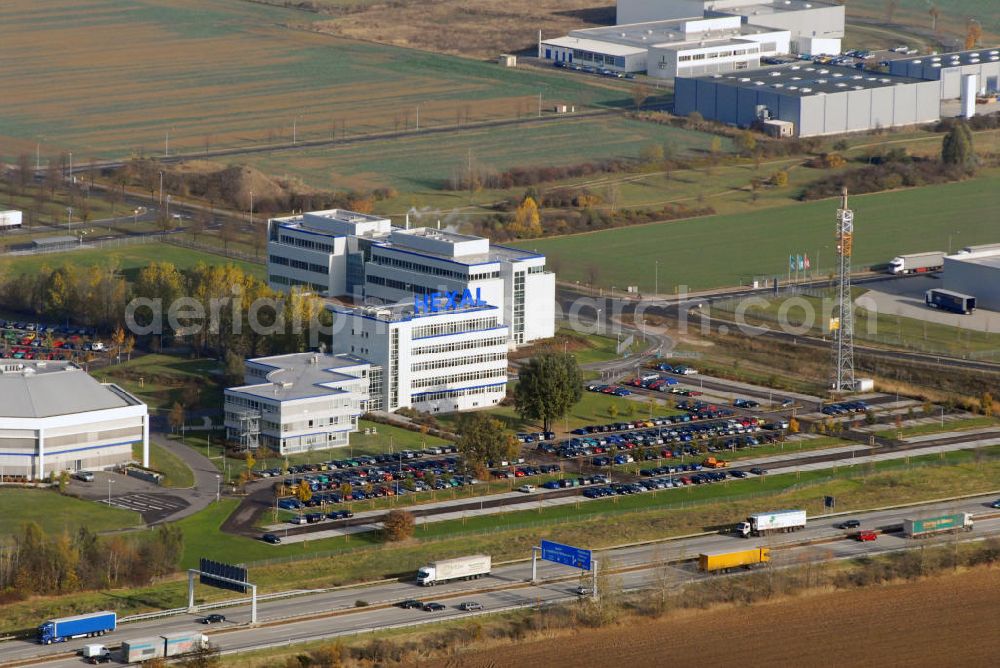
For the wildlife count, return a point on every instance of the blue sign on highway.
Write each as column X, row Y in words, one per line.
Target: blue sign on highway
column 566, row 555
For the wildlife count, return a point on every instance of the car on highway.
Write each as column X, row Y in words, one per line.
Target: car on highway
column 849, row 524
column 411, row 603
column 787, row 403
column 583, row 591
column 434, row 607
column 470, row 606
column 214, row 618
column 865, row 536
column 995, row 504
column 758, row 471
column 270, row 538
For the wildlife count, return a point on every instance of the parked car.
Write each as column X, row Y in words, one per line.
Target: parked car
column 270, row 538
column 85, row 476
column 526, row 489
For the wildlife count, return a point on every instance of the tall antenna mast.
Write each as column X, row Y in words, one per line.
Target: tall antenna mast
column 842, row 322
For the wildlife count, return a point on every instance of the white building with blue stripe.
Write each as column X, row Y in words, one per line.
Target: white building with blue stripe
column 340, row 253
column 55, row 417
column 439, row 353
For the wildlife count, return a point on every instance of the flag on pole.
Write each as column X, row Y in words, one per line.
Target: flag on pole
column 791, row 262
column 806, row 259
column 801, row 263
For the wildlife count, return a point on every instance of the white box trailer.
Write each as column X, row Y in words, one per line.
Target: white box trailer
column 183, row 642
column 460, row 568
column 142, row 649
column 10, row 219
column 783, row 521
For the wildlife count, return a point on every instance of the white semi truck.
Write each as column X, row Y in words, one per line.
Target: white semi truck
column 917, row 263
column 460, row 568
column 776, row 521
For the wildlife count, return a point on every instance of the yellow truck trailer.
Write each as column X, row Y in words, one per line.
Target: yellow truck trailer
column 724, row 561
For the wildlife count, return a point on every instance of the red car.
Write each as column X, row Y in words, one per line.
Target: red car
column 865, row 536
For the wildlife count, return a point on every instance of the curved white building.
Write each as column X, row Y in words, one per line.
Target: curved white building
column 55, row 417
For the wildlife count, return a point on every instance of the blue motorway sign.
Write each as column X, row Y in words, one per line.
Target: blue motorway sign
column 566, row 555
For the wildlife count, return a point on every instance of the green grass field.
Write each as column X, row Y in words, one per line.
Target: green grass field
column 916, row 12
column 264, row 77
column 176, row 472
column 732, row 250
column 161, row 380
column 56, row 513
column 129, row 258
column 391, row 162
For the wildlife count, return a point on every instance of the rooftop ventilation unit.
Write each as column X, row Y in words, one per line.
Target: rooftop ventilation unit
column 807, row 90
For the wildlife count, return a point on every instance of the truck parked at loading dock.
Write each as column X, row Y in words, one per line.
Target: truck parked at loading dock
column 917, row 263
column 948, row 300
column 460, row 568
column 929, row 526
column 725, row 561
column 777, row 521
column 79, row 626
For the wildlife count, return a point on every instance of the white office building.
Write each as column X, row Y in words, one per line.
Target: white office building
column 55, row 417
column 340, row 253
column 298, row 402
column 438, row 353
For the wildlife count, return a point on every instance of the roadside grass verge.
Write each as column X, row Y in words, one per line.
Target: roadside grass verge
column 937, row 428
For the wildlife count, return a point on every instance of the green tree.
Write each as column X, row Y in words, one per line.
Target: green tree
column 484, row 439
column 550, row 384
column 613, row 411
column 956, row 148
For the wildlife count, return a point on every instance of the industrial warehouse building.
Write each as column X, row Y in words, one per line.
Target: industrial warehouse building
column 340, row 253
column 977, row 274
column 814, row 27
column 667, row 49
column 949, row 68
column 816, row 99
column 298, row 402
column 440, row 353
column 55, row 417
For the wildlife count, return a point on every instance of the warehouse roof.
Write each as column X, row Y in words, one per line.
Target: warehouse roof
column 803, row 79
column 751, row 8
column 596, row 46
column 954, row 59
column 39, row 389
column 989, row 258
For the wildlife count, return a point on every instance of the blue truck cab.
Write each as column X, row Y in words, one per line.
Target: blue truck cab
column 78, row 626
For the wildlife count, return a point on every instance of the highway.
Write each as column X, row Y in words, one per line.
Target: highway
column 334, row 612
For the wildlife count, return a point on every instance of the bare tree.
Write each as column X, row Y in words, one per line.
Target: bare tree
column 640, row 93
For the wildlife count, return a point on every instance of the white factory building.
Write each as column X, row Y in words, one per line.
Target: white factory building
column 55, row 417
column 340, row 253
column 439, row 353
column 814, row 27
column 951, row 68
column 676, row 38
column 299, row 402
column 671, row 48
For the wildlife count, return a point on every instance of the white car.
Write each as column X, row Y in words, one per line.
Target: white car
column 527, row 489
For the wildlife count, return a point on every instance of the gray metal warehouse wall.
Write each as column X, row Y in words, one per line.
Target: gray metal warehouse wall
column 832, row 113
column 950, row 77
column 982, row 282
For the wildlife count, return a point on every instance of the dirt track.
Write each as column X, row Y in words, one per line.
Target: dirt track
column 946, row 621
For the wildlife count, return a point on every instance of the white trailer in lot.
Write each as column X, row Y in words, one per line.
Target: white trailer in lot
column 10, row 219
column 783, row 521
column 460, row 568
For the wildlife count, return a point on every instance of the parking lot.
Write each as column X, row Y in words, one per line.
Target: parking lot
column 35, row 341
column 906, row 298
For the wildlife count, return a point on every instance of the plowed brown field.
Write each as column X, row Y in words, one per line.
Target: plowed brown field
column 946, row 621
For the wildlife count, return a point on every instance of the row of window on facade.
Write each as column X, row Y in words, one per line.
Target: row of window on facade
column 309, row 244
column 714, row 54
column 598, row 58
column 460, row 361
column 299, row 264
column 453, row 394
column 459, row 327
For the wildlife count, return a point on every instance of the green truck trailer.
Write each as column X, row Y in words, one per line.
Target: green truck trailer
column 929, row 526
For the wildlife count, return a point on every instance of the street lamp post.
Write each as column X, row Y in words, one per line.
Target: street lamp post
column 161, row 187
column 656, row 277
column 110, row 480
column 295, row 125
column 218, row 487
column 69, row 219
